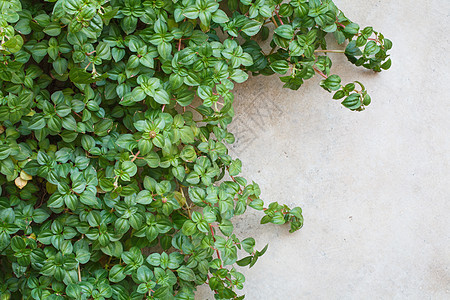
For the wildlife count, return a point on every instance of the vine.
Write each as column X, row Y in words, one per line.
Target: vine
column 115, row 183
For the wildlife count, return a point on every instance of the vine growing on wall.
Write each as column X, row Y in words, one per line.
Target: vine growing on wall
column 115, row 183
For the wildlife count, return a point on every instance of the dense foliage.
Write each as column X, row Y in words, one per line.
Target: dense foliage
column 116, row 182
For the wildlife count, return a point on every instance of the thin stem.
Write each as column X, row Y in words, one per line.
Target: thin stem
column 88, row 65
column 320, row 73
column 274, row 22
column 273, row 49
column 217, row 251
column 195, row 108
column 340, row 24
column 328, row 51
column 135, row 156
column 279, row 18
column 79, row 273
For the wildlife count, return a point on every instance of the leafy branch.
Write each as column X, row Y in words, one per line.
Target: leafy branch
column 115, row 183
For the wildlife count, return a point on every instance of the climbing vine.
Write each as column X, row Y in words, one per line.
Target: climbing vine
column 115, row 176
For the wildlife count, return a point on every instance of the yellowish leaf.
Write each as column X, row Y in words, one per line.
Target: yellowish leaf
column 20, row 183
column 25, row 176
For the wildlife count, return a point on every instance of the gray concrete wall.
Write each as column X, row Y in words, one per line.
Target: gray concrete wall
column 374, row 186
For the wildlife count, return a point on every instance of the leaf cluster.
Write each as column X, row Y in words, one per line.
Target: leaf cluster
column 116, row 181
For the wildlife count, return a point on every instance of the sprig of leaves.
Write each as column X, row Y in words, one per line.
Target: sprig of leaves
column 114, row 184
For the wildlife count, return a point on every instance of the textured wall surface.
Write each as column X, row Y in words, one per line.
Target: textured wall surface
column 374, row 186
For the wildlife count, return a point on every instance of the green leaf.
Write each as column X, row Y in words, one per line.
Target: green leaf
column 73, row 290
column 219, row 17
column 161, row 96
column 371, row 48
column 77, row 75
column 18, row 244
column 5, row 151
column 251, row 27
column 387, row 64
column 103, row 51
column 248, row 244
column 352, row 28
column 285, row 31
column 40, row 215
column 189, row 228
column 116, row 273
column 186, row 273
column 165, row 50
column 144, row 197
column 244, row 262
column 339, row 94
column 235, row 167
column 154, row 259
column 126, row 141
column 352, row 49
column 37, row 122
column 129, row 168
column 60, row 65
column 14, row 44
column 87, row 142
column 52, row 29
column 332, row 83
column 238, row 75
column 144, row 274
column 367, row 100
column 226, row 227
column 352, row 102
column 179, row 173
column 280, row 66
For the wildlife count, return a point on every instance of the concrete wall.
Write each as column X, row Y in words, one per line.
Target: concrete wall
column 374, row 186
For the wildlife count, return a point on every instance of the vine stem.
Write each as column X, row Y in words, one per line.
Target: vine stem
column 135, row 156
column 320, row 73
column 340, row 24
column 279, row 17
column 77, row 115
column 272, row 50
column 79, row 273
column 274, row 22
column 196, row 109
column 214, row 238
column 328, row 51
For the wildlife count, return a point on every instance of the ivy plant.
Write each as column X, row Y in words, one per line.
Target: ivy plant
column 115, row 176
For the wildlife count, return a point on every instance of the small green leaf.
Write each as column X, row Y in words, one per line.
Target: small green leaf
column 186, row 273
column 248, row 245
column 352, row 28
column 116, row 273
column 352, row 102
column 285, row 31
column 244, row 262
column 52, row 29
column 280, row 66
column 14, row 44
column 235, row 167
column 129, row 168
column 219, row 17
column 251, row 27
column 144, row 197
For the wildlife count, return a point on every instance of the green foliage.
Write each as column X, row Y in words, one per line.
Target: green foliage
column 114, row 184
